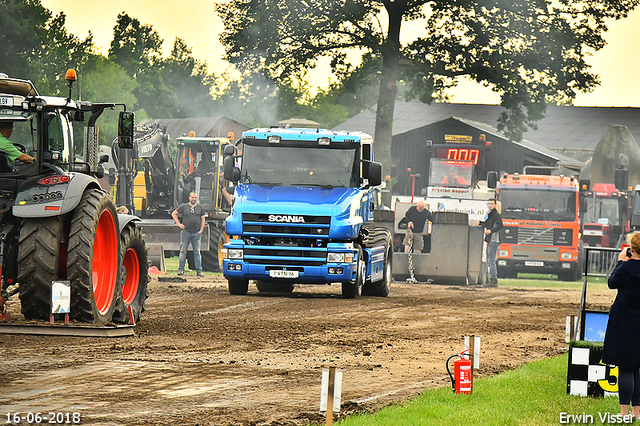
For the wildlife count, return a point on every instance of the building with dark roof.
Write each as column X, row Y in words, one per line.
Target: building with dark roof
column 413, row 150
column 563, row 129
column 566, row 137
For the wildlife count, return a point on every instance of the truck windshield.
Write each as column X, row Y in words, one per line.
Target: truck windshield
column 538, row 204
column 450, row 173
column 300, row 166
column 604, row 211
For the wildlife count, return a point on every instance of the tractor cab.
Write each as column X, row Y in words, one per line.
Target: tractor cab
column 199, row 170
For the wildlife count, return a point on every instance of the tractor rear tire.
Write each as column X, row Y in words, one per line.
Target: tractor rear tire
column 41, row 260
column 134, row 282
column 93, row 258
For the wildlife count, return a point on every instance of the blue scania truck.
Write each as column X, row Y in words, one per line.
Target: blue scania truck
column 303, row 213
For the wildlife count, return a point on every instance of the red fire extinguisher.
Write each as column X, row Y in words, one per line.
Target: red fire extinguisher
column 461, row 378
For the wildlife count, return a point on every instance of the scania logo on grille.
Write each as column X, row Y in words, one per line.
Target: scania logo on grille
column 286, row 218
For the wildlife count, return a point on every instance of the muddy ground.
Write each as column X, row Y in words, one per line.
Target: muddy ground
column 203, row 357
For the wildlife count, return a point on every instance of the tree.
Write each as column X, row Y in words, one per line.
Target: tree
column 102, row 80
column 36, row 46
column 135, row 47
column 189, row 80
column 530, row 51
column 252, row 99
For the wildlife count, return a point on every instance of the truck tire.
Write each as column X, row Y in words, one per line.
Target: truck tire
column 134, row 282
column 270, row 287
column 41, row 259
column 93, row 260
column 212, row 259
column 381, row 288
column 352, row 290
column 238, row 287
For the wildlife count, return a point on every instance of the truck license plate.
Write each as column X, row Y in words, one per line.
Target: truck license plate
column 5, row 101
column 278, row 273
column 530, row 263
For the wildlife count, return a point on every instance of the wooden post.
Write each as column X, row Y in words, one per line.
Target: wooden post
column 332, row 381
column 571, row 328
column 472, row 339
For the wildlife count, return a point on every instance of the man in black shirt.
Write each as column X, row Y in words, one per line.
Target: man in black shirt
column 416, row 217
column 492, row 226
column 192, row 226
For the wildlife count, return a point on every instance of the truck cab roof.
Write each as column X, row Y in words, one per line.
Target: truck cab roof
column 306, row 135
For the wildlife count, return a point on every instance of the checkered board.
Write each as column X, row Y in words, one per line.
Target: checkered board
column 588, row 376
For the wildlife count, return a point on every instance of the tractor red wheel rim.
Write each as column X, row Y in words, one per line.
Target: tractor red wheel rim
column 130, row 286
column 104, row 267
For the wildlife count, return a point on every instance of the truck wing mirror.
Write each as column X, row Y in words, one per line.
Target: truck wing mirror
column 231, row 172
column 375, row 173
column 492, row 179
column 125, row 130
column 229, row 150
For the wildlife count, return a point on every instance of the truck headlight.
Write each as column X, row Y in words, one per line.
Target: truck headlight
column 335, row 257
column 234, row 254
column 566, row 256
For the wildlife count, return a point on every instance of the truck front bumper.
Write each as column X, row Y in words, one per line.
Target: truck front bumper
column 506, row 266
column 238, row 269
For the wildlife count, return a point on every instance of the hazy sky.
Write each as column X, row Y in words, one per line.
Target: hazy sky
column 197, row 24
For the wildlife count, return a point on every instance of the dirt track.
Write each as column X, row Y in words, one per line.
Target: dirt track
column 203, row 357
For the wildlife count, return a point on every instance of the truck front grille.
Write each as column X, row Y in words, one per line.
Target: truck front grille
column 535, row 236
column 285, row 239
column 275, row 225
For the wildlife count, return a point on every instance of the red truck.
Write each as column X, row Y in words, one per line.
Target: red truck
column 604, row 215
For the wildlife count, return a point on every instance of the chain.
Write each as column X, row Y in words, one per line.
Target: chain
column 412, row 276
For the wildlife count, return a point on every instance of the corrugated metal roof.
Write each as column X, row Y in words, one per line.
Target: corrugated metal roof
column 563, row 160
column 563, row 127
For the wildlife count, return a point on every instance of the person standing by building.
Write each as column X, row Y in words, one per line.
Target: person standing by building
column 492, row 225
column 192, row 226
column 621, row 343
column 416, row 218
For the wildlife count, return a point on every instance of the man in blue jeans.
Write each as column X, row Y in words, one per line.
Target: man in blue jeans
column 192, row 226
column 492, row 226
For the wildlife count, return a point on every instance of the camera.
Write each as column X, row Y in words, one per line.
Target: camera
column 629, row 252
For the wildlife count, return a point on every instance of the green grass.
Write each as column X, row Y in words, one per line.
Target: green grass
column 544, row 281
column 171, row 265
column 534, row 394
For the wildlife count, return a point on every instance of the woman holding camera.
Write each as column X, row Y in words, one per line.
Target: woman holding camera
column 621, row 342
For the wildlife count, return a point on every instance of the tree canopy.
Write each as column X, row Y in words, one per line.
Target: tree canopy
column 531, row 52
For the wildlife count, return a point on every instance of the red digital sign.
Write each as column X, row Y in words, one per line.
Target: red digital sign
column 461, row 154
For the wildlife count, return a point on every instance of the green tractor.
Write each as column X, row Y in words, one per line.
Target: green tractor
column 56, row 221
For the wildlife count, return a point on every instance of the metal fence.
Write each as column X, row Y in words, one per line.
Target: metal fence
column 600, row 261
